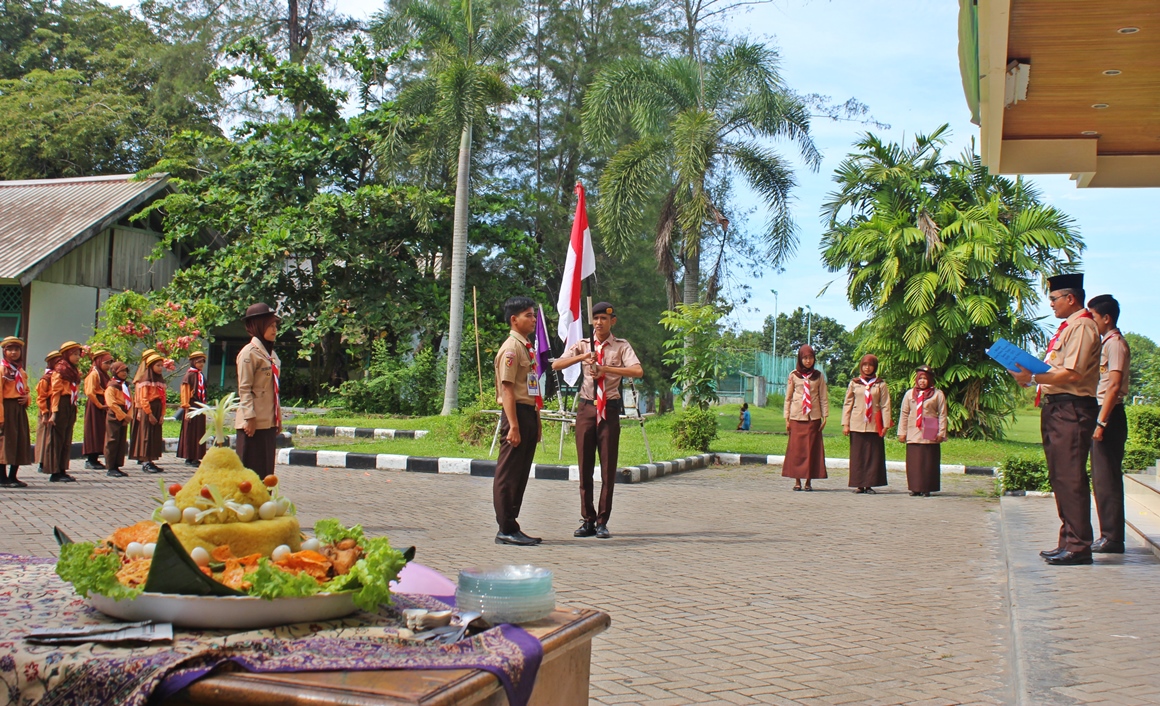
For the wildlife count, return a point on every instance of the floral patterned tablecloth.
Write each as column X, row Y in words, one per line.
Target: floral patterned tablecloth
column 32, row 596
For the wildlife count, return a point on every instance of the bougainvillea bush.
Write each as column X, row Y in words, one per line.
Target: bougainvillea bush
column 132, row 322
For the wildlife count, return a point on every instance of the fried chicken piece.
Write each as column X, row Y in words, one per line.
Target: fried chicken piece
column 343, row 555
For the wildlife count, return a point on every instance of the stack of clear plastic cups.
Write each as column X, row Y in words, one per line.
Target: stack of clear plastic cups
column 507, row 594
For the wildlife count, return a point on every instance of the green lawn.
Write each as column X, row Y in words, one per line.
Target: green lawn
column 172, row 428
column 766, row 437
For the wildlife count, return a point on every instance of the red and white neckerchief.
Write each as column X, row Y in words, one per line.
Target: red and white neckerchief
column 920, row 397
column 74, row 392
column 16, row 374
column 200, row 388
column 807, row 400
column 1051, row 347
column 601, row 401
column 532, row 357
column 277, row 393
column 127, row 394
column 869, row 400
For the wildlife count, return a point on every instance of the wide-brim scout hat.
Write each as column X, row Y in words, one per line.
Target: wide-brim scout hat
column 147, row 352
column 52, row 355
column 1069, row 281
column 259, row 309
column 97, row 353
column 69, row 346
column 11, row 341
column 155, row 358
column 197, row 355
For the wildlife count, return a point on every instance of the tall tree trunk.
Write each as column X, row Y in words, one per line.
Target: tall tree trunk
column 458, row 274
column 692, row 288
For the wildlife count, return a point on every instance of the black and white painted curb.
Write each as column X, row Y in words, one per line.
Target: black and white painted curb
column 542, row 471
column 354, row 432
column 171, row 445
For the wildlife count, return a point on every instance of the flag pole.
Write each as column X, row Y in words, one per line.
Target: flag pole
column 475, row 315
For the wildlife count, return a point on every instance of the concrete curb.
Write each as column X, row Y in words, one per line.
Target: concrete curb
column 171, row 445
column 730, row 459
column 354, row 432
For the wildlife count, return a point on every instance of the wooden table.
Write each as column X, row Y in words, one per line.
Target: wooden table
column 562, row 680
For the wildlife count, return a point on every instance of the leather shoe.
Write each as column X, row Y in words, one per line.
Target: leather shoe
column 1070, row 559
column 94, row 466
column 61, row 478
column 586, row 529
column 116, row 473
column 1105, row 546
column 602, row 532
column 150, row 467
column 516, row 538
column 1048, row 553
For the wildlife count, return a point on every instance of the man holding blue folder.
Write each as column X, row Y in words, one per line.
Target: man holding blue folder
column 1067, row 397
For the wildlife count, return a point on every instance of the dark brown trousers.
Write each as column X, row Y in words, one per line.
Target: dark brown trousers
column 115, row 446
column 58, row 444
column 259, row 452
column 1108, row 475
column 513, row 468
column 1066, row 426
column 590, row 438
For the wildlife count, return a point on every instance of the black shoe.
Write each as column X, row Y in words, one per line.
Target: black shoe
column 1105, row 546
column 871, row 491
column 808, row 489
column 859, row 490
column 586, row 529
column 1048, row 553
column 602, row 532
column 94, row 466
column 516, row 538
column 535, row 540
column 5, row 483
column 915, row 493
column 797, row 488
column 191, row 462
column 13, row 483
column 116, row 473
column 150, row 467
column 926, row 495
column 61, row 478
column 1067, row 558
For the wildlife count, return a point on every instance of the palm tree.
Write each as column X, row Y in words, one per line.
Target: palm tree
column 945, row 257
column 690, row 124
column 466, row 46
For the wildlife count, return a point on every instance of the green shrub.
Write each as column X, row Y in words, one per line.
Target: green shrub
column 1020, row 473
column 695, row 429
column 775, row 401
column 475, row 426
column 1144, row 425
column 393, row 385
column 1139, row 457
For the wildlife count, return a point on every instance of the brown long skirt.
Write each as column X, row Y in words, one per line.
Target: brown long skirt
column 41, row 438
column 94, row 439
column 923, row 474
column 260, row 451
column 17, row 447
column 148, row 442
column 805, row 455
column 867, row 460
column 115, row 446
column 58, row 444
column 189, row 444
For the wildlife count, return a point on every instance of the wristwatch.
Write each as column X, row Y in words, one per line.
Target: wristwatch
column 1101, row 424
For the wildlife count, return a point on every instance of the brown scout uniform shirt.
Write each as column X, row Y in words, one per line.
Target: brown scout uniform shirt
column 795, row 392
column 513, row 363
column 934, row 407
column 9, row 390
column 618, row 353
column 115, row 400
column 93, row 388
column 1114, row 355
column 1078, row 350
column 854, row 407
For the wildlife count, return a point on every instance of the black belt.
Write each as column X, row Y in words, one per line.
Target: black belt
column 609, row 403
column 1063, row 397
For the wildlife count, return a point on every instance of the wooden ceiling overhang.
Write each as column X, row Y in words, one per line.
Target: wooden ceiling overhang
column 1092, row 106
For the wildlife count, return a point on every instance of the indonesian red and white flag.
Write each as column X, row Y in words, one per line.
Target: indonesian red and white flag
column 581, row 263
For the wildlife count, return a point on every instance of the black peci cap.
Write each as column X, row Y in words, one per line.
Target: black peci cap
column 1071, row 281
column 603, row 308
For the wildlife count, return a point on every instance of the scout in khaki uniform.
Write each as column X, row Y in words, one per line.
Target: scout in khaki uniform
column 66, row 383
column 1067, row 419
column 807, row 409
column 16, row 442
column 865, row 419
column 922, row 426
column 189, row 444
column 43, row 402
column 517, row 389
column 259, row 418
column 1111, row 431
column 149, row 405
column 95, row 383
column 118, row 409
column 598, row 419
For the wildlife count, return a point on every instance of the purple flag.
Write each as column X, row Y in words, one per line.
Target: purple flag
column 543, row 349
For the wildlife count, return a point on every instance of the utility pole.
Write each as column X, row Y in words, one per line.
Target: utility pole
column 773, row 348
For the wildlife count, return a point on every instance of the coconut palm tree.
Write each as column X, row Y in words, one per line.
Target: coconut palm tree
column 465, row 48
column 689, row 124
column 945, row 258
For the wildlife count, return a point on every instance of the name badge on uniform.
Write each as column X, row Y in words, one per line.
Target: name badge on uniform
column 533, row 385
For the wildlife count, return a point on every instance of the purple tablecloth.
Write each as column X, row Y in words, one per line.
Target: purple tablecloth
column 32, row 596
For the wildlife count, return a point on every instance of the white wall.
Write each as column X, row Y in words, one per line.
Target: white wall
column 58, row 313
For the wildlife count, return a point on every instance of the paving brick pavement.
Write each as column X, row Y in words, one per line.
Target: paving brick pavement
column 724, row 587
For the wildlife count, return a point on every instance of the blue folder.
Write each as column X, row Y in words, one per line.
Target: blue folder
column 1008, row 355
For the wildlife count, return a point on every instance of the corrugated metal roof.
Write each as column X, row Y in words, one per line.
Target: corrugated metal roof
column 41, row 220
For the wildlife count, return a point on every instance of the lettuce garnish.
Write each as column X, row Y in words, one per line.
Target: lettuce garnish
column 89, row 573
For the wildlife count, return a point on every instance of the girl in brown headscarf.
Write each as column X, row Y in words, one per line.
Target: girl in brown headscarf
column 118, row 409
column 807, row 407
column 66, row 381
column 149, row 403
column 15, row 437
column 865, row 419
column 922, row 426
column 95, row 383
